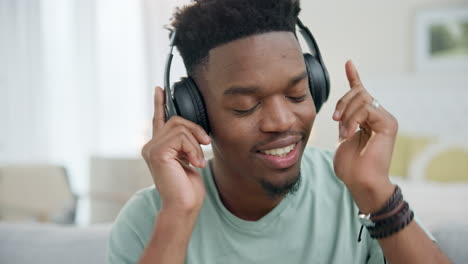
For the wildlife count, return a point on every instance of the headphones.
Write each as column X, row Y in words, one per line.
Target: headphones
column 188, row 103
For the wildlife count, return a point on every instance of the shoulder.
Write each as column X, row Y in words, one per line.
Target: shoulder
column 319, row 162
column 318, row 156
column 318, row 169
column 133, row 226
column 144, row 203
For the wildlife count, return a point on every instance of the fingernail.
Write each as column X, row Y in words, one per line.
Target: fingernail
column 336, row 114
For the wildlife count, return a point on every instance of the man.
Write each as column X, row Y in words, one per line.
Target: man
column 264, row 197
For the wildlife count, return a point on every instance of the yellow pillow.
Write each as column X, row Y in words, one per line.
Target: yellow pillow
column 399, row 163
column 405, row 150
column 448, row 166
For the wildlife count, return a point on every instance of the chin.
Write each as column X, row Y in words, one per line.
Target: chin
column 278, row 188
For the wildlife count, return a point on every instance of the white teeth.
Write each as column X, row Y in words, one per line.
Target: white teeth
column 280, row 152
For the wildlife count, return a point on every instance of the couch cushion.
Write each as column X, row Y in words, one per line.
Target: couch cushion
column 452, row 238
column 406, row 149
column 46, row 243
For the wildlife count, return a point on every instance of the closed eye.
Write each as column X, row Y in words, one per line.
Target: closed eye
column 245, row 112
column 297, row 99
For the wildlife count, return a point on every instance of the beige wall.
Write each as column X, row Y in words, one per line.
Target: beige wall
column 376, row 35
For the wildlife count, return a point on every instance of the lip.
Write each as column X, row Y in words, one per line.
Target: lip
column 281, row 162
column 280, row 143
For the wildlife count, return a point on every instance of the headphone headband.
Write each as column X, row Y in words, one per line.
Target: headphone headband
column 310, row 40
column 312, row 44
column 169, row 106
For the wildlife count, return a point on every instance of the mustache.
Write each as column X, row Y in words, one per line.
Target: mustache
column 278, row 136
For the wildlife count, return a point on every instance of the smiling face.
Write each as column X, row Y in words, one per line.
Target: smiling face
column 260, row 109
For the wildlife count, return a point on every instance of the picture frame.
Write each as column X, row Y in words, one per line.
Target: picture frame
column 442, row 39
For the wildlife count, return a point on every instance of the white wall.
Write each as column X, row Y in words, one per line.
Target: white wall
column 425, row 104
column 377, row 35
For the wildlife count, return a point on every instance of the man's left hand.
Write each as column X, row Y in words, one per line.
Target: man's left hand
column 362, row 158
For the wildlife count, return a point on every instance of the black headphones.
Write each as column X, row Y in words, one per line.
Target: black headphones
column 188, row 103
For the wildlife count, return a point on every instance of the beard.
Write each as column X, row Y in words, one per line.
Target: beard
column 276, row 191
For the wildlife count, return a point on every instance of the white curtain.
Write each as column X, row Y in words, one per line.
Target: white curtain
column 22, row 131
column 77, row 80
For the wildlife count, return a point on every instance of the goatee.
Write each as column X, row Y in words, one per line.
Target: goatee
column 275, row 191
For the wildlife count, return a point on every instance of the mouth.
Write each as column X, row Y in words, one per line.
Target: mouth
column 280, row 158
column 279, row 152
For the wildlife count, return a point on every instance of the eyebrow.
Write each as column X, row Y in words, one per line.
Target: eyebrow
column 249, row 90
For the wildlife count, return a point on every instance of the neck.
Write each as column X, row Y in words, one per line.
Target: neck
column 243, row 197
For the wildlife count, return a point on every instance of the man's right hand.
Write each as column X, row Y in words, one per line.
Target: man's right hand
column 170, row 155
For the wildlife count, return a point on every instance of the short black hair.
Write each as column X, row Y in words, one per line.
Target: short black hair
column 206, row 24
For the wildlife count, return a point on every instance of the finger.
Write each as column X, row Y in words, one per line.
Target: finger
column 200, row 157
column 358, row 117
column 341, row 131
column 352, row 75
column 382, row 122
column 190, row 148
column 198, row 132
column 173, row 141
column 343, row 102
column 145, row 155
column 361, row 100
column 159, row 114
column 176, row 146
column 376, row 120
column 179, row 144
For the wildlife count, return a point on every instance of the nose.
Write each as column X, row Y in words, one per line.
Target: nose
column 277, row 116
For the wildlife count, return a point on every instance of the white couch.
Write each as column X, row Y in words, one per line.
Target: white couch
column 52, row 244
column 29, row 243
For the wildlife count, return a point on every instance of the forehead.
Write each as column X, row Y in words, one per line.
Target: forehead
column 256, row 59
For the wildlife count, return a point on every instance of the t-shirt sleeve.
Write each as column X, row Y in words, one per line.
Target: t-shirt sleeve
column 376, row 254
column 131, row 231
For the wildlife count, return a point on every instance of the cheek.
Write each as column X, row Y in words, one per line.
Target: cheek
column 306, row 113
column 232, row 141
column 234, row 131
column 228, row 130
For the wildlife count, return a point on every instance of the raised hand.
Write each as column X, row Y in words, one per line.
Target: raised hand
column 362, row 158
column 171, row 154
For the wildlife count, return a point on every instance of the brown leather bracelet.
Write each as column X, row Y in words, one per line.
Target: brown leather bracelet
column 400, row 204
column 402, row 223
column 392, row 224
column 391, row 203
column 382, row 221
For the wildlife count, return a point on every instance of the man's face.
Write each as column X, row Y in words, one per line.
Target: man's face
column 260, row 108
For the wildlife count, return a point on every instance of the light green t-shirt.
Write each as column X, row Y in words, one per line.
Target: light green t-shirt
column 317, row 224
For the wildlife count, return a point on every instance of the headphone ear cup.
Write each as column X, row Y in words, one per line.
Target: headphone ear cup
column 318, row 81
column 189, row 102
